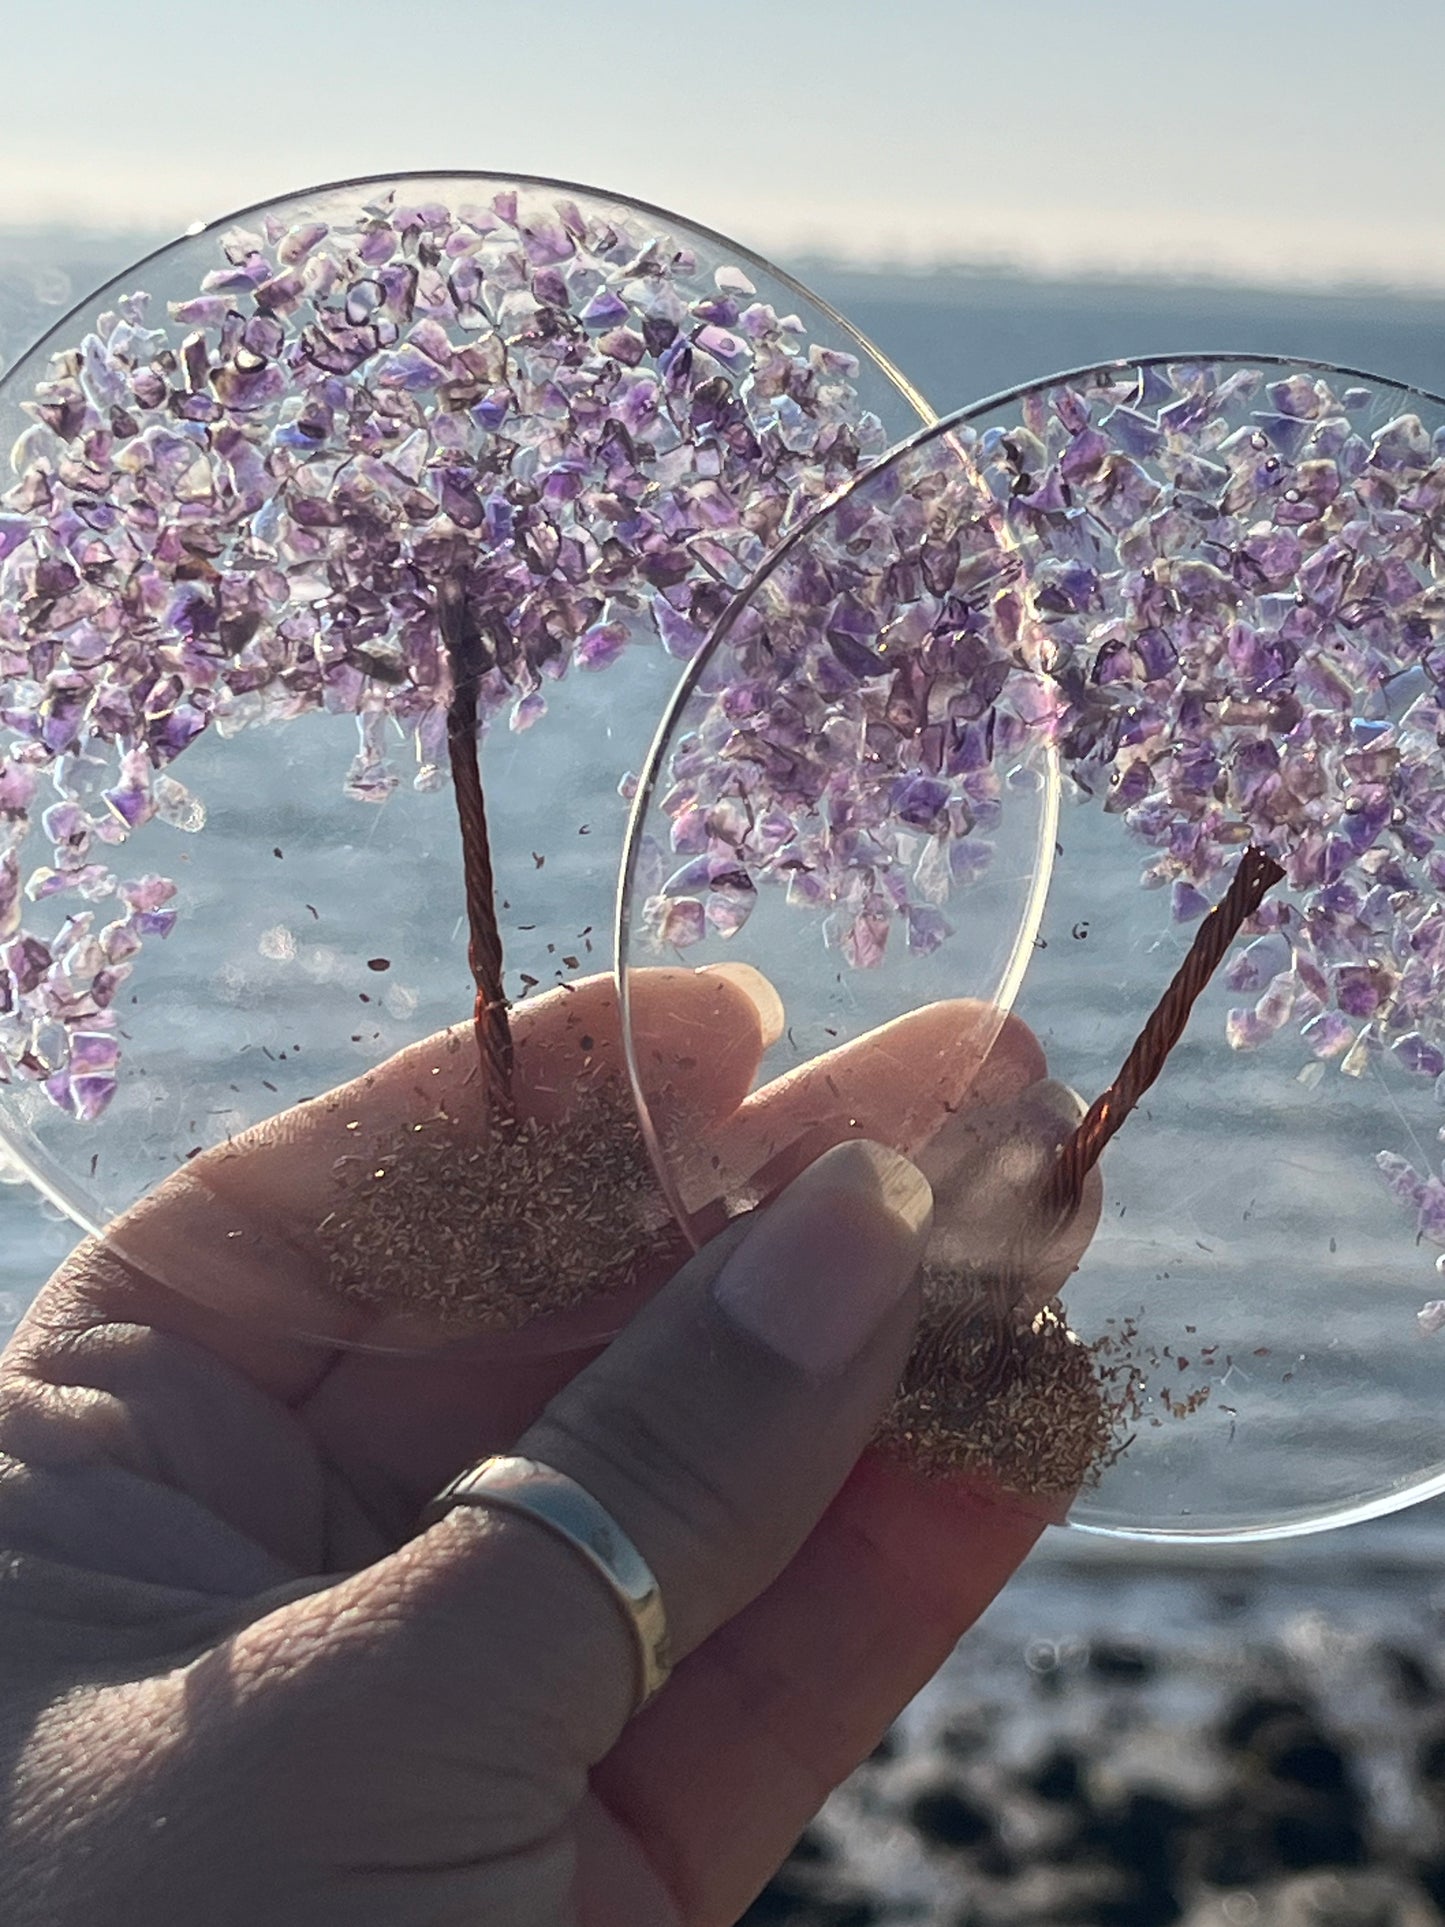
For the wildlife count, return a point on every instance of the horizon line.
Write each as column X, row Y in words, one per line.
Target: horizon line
column 1241, row 277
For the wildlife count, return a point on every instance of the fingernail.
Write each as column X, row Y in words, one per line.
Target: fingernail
column 1056, row 1099
column 1020, row 1132
column 824, row 1264
column 759, row 993
column 990, row 1170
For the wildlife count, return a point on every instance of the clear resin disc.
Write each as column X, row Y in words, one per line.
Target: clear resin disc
column 1206, row 591
column 274, row 495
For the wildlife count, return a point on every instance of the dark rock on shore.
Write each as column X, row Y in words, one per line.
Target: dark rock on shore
column 1120, row 1660
column 1059, row 1776
column 810, row 1890
column 1414, row 1682
column 1229, row 1780
column 944, row 1817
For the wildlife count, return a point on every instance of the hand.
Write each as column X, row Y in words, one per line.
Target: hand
column 235, row 1686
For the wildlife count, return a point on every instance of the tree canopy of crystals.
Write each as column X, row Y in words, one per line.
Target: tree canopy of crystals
column 243, row 513
column 1213, row 588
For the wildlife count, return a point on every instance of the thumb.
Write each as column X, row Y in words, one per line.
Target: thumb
column 715, row 1430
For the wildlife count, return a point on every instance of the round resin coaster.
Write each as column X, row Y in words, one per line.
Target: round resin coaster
column 301, row 508
column 1207, row 590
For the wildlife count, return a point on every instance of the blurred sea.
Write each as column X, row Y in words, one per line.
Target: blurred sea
column 962, row 335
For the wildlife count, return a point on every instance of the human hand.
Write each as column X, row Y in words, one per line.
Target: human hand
column 234, row 1685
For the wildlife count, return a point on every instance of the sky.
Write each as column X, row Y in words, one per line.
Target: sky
column 1285, row 141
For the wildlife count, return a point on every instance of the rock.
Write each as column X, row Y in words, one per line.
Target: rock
column 1298, row 1753
column 1319, row 1833
column 805, row 1896
column 1431, row 1875
column 942, row 1816
column 1299, row 1788
column 812, row 1849
column 1253, row 1711
column 1058, row 1777
column 993, row 1861
column 809, row 1890
column 1309, row 1760
column 1234, row 1851
column 1411, row 1680
column 1121, row 1660
column 1141, row 1839
column 1142, row 1834
column 965, row 1735
column 1260, row 1832
column 1430, row 1761
column 1229, row 1601
column 1145, row 1907
column 1304, row 1783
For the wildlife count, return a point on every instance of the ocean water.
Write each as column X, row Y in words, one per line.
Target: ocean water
column 1252, row 1197
column 965, row 335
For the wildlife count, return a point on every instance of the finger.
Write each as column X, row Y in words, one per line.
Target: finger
column 996, row 1221
column 409, row 1424
column 715, row 1431
column 722, row 1773
column 372, row 1412
column 227, row 1252
column 369, row 1411
column 899, row 1084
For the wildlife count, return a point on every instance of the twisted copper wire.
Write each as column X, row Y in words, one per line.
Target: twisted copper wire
column 484, row 942
column 980, row 1326
column 1257, row 873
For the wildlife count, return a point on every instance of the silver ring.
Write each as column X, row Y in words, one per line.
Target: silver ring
column 570, row 1512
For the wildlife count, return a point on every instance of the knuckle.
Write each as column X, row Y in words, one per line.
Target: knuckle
column 649, row 1465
